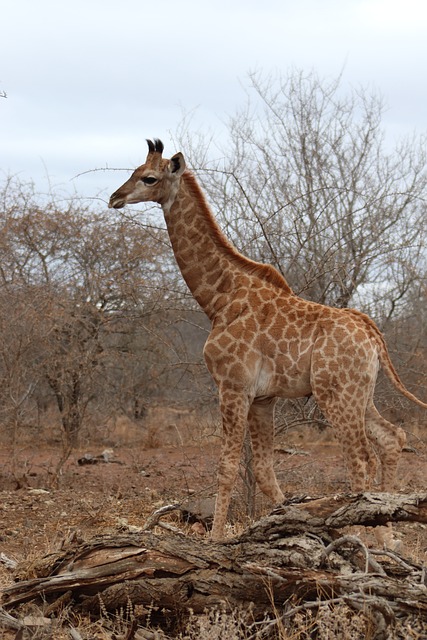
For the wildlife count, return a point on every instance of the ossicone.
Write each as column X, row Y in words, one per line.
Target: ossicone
column 155, row 145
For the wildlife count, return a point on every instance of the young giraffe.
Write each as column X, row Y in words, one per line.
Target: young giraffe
column 266, row 342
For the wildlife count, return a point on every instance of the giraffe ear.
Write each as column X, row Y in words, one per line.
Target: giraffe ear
column 177, row 164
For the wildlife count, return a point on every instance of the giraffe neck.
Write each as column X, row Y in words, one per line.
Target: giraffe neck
column 211, row 266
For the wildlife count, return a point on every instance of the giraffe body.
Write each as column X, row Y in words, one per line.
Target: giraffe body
column 267, row 343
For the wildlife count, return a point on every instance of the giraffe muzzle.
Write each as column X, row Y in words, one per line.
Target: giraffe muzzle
column 116, row 202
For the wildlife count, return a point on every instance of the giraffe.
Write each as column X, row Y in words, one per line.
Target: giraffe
column 266, row 342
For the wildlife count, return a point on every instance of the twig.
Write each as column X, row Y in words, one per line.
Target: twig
column 354, row 540
column 107, row 168
column 265, row 631
column 8, row 562
column 153, row 520
column 9, row 621
column 393, row 556
column 131, row 632
column 267, row 571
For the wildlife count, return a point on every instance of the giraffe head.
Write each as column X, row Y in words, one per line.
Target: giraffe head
column 157, row 180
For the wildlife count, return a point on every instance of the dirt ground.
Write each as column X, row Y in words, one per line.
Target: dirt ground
column 38, row 511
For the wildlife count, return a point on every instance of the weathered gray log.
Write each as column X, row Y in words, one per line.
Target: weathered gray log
column 295, row 554
column 324, row 516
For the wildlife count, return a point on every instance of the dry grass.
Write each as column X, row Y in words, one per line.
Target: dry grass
column 170, row 456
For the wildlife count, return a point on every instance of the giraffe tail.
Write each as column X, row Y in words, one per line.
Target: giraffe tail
column 385, row 360
column 390, row 371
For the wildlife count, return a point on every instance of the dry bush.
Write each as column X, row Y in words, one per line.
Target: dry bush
column 330, row 622
column 167, row 425
column 218, row 625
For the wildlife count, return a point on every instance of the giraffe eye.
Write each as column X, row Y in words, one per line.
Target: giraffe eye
column 149, row 180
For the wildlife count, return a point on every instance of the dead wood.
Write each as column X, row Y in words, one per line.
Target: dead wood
column 323, row 516
column 295, row 555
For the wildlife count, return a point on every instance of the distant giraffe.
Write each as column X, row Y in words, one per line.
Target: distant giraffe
column 266, row 342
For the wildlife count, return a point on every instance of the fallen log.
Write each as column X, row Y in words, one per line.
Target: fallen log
column 295, row 557
column 324, row 516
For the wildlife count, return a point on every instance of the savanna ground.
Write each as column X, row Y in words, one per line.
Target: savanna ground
column 171, row 457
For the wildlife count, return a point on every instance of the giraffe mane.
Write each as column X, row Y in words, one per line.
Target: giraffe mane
column 263, row 271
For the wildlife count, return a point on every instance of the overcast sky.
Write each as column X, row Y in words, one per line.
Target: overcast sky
column 88, row 80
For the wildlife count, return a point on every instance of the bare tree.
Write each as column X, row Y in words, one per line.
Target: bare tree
column 307, row 184
column 76, row 287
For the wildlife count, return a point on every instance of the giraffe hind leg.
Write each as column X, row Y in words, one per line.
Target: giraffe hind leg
column 388, row 441
column 344, row 369
column 359, row 456
column 347, row 418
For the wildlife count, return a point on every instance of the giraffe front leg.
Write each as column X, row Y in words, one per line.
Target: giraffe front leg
column 261, row 426
column 234, row 409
